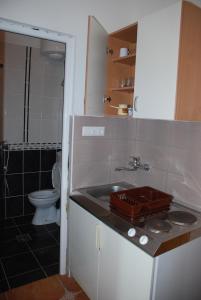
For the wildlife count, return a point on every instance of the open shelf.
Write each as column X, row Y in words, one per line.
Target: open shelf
column 121, row 70
column 124, row 89
column 128, row 33
column 127, row 60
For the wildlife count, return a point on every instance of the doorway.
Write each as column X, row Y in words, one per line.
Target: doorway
column 28, row 133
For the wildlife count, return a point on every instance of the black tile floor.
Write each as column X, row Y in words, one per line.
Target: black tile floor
column 27, row 252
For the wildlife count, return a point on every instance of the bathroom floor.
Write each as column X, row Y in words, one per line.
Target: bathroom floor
column 27, row 252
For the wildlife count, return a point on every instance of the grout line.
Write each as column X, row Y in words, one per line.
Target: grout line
column 32, row 251
column 50, row 246
column 36, row 259
column 15, row 222
column 54, row 264
column 37, row 234
column 41, row 267
column 9, row 240
column 2, row 266
column 24, row 273
column 7, row 227
column 28, row 251
column 18, row 229
column 9, row 256
column 58, row 243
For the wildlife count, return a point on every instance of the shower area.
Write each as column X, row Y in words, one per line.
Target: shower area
column 31, row 104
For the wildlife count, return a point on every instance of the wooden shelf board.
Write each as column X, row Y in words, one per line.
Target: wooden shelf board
column 128, row 60
column 124, row 89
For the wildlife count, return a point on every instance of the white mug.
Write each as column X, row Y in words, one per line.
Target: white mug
column 123, row 52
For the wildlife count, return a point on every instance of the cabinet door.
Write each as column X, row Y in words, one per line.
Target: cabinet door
column 125, row 271
column 96, row 68
column 156, row 63
column 83, row 251
column 189, row 70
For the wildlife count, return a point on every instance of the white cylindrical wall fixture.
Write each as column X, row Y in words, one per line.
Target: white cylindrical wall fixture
column 53, row 50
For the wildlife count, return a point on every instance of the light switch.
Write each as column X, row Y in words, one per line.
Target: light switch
column 93, row 131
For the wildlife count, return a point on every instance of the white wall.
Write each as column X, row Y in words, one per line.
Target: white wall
column 72, row 17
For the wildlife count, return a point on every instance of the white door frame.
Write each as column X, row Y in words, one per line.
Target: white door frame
column 16, row 27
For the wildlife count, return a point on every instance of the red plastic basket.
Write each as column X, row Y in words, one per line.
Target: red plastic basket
column 138, row 202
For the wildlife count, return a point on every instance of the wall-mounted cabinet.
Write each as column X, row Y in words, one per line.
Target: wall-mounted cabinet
column 166, row 68
column 110, row 74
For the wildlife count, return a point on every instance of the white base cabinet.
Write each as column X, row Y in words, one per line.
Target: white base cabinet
column 83, row 252
column 106, row 265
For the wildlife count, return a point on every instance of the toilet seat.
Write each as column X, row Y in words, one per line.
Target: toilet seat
column 44, row 194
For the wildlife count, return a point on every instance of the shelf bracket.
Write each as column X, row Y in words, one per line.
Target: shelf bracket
column 109, row 51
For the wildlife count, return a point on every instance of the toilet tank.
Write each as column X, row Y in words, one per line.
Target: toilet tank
column 59, row 156
column 56, row 172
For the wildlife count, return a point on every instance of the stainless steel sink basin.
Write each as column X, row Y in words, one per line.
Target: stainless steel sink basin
column 99, row 192
column 102, row 193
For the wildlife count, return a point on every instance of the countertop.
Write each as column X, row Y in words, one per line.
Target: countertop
column 104, row 213
column 157, row 244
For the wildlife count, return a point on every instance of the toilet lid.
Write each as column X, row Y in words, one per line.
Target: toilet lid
column 56, row 176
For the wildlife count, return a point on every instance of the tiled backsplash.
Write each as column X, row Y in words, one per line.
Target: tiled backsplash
column 172, row 148
column 24, row 172
column 94, row 158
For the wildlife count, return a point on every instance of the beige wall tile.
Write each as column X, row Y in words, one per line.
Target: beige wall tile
column 185, row 135
column 90, row 174
column 153, row 131
column 116, row 176
column 119, row 150
column 154, row 178
column 177, row 161
column 92, row 150
column 185, row 189
column 153, row 154
column 119, row 128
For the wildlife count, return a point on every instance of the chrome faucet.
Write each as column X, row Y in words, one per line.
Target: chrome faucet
column 135, row 164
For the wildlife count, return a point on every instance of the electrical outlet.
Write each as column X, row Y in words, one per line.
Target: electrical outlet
column 93, row 131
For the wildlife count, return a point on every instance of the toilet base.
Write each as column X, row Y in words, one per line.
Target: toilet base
column 44, row 216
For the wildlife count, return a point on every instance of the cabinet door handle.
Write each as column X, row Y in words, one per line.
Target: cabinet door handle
column 135, row 103
column 98, row 237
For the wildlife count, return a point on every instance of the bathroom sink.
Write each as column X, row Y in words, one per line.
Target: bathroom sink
column 102, row 192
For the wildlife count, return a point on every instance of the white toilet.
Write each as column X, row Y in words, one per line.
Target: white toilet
column 45, row 200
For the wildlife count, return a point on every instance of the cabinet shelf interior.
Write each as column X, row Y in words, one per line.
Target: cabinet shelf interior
column 128, row 60
column 120, row 68
column 128, row 34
